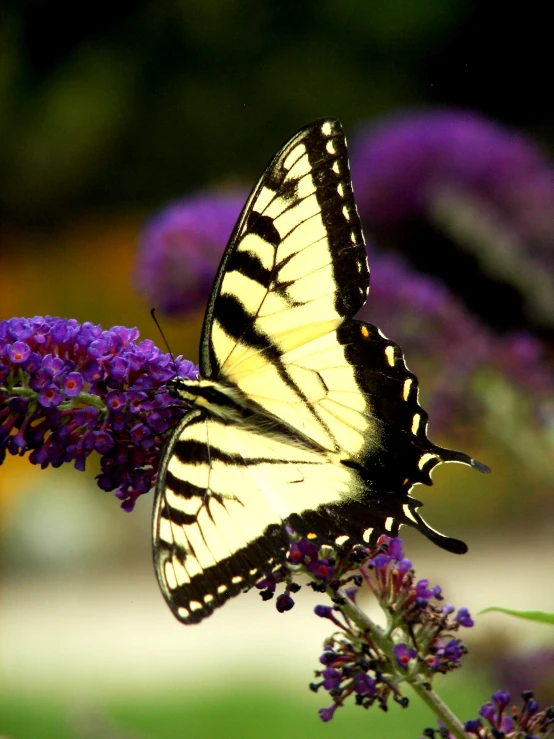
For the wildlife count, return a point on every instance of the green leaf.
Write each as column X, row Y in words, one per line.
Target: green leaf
column 540, row 617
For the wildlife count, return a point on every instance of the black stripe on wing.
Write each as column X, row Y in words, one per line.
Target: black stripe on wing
column 186, row 451
column 250, row 265
column 183, row 488
column 259, row 225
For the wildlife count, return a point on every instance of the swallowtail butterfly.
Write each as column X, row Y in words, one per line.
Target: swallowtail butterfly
column 302, row 416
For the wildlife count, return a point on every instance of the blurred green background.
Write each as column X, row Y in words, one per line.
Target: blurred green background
column 107, row 111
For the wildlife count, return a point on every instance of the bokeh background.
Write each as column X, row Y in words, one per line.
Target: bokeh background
column 110, row 112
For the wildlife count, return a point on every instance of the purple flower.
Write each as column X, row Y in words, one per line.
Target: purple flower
column 452, row 651
column 403, row 566
column 323, row 611
column 381, row 561
column 321, row 569
column 301, row 550
column 50, row 396
column 488, row 188
column 395, row 549
column 422, row 591
column 473, row 726
column 404, row 654
column 329, row 655
column 463, row 618
column 331, row 678
column 284, row 603
column 326, row 714
column 488, row 712
column 57, row 406
column 73, row 384
column 502, row 699
column 18, row 352
column 181, row 247
column 399, row 165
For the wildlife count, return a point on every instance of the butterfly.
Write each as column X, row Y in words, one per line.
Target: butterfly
column 302, row 417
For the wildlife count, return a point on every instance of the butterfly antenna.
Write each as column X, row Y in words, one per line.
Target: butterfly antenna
column 153, row 314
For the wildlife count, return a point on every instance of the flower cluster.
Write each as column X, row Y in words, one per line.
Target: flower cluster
column 68, row 389
column 360, row 659
column 503, row 720
column 418, row 165
column 401, row 162
column 181, row 247
column 304, row 556
column 419, row 638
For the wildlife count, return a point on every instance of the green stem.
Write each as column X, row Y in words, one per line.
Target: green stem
column 417, row 682
column 439, row 708
column 363, row 621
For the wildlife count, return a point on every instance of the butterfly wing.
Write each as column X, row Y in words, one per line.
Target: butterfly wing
column 338, row 438
column 295, row 268
column 218, row 526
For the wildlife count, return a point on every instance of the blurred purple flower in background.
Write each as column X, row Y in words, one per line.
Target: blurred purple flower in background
column 401, row 163
column 517, row 670
column 488, row 189
column 181, row 247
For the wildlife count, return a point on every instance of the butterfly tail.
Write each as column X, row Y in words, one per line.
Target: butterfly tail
column 449, row 455
column 412, row 518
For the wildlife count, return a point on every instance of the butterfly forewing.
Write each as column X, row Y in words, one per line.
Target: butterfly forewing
column 296, row 267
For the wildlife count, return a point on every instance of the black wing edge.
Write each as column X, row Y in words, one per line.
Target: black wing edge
column 251, row 563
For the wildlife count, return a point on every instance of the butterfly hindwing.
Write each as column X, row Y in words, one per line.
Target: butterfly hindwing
column 219, row 523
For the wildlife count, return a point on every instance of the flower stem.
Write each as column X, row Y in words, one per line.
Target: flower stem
column 364, row 622
column 439, row 708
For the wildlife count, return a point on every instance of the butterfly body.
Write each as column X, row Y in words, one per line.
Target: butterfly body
column 303, row 417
